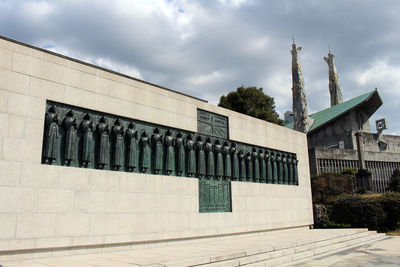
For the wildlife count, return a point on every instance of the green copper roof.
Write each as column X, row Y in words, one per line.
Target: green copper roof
column 331, row 113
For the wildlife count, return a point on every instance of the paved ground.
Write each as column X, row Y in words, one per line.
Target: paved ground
column 385, row 252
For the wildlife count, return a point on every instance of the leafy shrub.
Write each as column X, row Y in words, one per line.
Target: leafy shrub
column 390, row 203
column 394, row 183
column 327, row 186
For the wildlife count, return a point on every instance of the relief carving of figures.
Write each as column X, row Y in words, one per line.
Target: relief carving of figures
column 103, row 147
column 290, row 169
column 285, row 169
column 249, row 166
column 219, row 163
column 208, row 148
column 69, row 125
column 87, row 128
column 131, row 143
column 269, row 166
column 227, row 161
column 235, row 162
column 261, row 158
column 274, row 168
column 295, row 170
column 145, row 151
column 191, row 156
column 118, row 144
column 280, row 168
column 201, row 159
column 242, row 165
column 180, row 154
column 169, row 153
column 156, row 140
column 51, row 146
column 256, row 165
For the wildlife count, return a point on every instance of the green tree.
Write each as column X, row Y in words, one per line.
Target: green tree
column 253, row 102
column 394, row 183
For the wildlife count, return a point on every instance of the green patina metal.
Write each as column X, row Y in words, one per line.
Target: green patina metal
column 83, row 138
column 212, row 124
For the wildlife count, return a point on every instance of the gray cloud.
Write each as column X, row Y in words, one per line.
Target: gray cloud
column 208, row 48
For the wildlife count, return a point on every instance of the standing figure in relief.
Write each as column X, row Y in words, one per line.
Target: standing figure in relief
column 145, row 151
column 280, row 168
column 290, row 169
column 156, row 140
column 235, row 162
column 69, row 124
column 180, row 154
column 242, row 166
column 208, row 148
column 285, row 169
column 191, row 156
column 219, row 163
column 87, row 128
column 227, row 161
column 249, row 163
column 118, row 145
column 51, row 147
column 169, row 153
column 131, row 151
column 269, row 166
column 274, row 168
column 261, row 158
column 201, row 159
column 256, row 165
column 103, row 148
column 295, row 170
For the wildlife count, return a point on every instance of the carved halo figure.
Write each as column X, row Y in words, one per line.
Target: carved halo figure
column 169, row 153
column 191, row 156
column 144, row 152
column 269, row 166
column 274, row 168
column 103, row 148
column 208, row 148
column 227, row 161
column 280, row 167
column 180, row 154
column 118, row 144
column 201, row 160
column 261, row 158
column 219, row 165
column 242, row 165
column 249, row 167
column 51, row 147
column 156, row 140
column 69, row 125
column 235, row 162
column 131, row 141
column 256, row 165
column 285, row 169
column 87, row 128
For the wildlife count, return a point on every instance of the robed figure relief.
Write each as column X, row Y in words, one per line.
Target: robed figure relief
column 179, row 154
column 256, row 165
column 290, row 169
column 219, row 165
column 200, row 157
column 261, row 159
column 69, row 125
column 295, row 170
column 191, row 156
column 169, row 153
column 131, row 147
column 208, row 149
column 118, row 144
column 156, row 140
column 249, row 166
column 227, row 161
column 235, row 162
column 103, row 142
column 285, row 169
column 269, row 166
column 145, row 151
column 51, row 146
column 87, row 128
column 242, row 165
column 280, row 167
column 274, row 168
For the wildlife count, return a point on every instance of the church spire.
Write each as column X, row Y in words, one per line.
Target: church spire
column 300, row 112
column 334, row 87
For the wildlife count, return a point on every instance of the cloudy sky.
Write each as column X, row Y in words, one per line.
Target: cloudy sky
column 207, row 48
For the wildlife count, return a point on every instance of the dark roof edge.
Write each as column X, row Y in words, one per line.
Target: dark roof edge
column 352, row 108
column 95, row 66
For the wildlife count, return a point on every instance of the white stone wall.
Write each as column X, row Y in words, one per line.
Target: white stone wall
column 44, row 206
